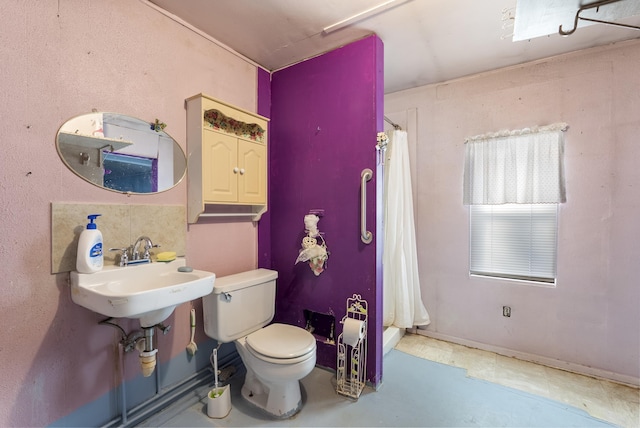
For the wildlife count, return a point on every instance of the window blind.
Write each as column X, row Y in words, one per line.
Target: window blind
column 516, row 241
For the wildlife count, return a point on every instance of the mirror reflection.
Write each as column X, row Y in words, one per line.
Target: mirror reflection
column 121, row 153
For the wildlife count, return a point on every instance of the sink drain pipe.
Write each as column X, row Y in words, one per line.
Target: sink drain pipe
column 148, row 355
column 143, row 341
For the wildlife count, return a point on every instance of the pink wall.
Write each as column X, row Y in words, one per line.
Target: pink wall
column 591, row 319
column 61, row 59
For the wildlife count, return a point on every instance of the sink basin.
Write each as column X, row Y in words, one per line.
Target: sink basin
column 148, row 292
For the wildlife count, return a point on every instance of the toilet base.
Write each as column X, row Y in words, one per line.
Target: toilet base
column 281, row 400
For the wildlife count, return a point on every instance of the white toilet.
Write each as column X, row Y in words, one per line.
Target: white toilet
column 276, row 356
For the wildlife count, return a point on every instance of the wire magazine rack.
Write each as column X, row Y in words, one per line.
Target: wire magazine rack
column 352, row 360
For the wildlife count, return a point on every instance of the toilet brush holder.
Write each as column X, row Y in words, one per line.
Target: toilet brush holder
column 219, row 402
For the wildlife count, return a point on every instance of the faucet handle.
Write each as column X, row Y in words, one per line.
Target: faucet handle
column 124, row 257
column 146, row 250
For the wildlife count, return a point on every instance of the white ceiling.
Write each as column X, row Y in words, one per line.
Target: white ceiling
column 425, row 41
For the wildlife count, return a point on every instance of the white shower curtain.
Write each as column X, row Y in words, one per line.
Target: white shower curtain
column 402, row 302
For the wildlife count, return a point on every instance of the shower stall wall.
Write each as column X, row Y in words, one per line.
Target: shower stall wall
column 325, row 115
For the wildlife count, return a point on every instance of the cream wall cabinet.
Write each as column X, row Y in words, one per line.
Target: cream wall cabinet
column 227, row 169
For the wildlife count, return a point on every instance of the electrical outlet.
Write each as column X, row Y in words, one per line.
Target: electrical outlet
column 506, row 311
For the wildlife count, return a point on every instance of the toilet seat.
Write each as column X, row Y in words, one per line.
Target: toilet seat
column 281, row 344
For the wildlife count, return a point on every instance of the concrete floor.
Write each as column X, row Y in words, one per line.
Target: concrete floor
column 428, row 382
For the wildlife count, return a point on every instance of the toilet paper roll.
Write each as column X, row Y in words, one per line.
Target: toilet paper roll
column 353, row 331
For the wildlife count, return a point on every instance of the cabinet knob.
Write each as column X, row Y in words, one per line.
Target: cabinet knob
column 235, row 170
column 241, row 171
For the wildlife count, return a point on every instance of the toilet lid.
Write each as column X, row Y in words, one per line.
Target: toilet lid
column 282, row 341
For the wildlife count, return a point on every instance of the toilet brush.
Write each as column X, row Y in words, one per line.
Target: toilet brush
column 192, row 348
column 216, row 391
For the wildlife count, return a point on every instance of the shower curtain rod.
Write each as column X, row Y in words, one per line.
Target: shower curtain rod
column 390, row 122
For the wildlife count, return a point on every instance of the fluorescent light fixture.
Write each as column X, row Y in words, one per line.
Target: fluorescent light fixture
column 537, row 18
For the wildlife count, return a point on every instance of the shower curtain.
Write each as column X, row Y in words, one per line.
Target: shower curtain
column 402, row 302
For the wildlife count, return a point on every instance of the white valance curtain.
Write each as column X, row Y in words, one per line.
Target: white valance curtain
column 521, row 167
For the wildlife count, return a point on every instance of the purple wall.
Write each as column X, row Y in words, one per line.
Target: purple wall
column 325, row 114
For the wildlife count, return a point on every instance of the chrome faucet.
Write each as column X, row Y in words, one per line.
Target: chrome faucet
column 135, row 252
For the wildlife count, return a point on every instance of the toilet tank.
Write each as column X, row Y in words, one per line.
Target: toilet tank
column 239, row 304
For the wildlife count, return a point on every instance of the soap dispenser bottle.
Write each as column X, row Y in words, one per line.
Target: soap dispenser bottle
column 90, row 259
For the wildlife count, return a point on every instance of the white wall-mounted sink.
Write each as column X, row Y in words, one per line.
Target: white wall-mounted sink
column 149, row 292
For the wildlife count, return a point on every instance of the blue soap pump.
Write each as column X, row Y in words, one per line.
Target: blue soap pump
column 90, row 258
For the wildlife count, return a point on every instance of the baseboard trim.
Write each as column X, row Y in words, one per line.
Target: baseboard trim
column 390, row 338
column 550, row 362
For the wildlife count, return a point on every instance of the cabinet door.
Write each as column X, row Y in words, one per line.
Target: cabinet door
column 219, row 167
column 252, row 180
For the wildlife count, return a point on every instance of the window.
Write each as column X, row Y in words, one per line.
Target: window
column 515, row 241
column 130, row 173
column 513, row 183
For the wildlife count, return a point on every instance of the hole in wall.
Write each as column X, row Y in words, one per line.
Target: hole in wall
column 322, row 326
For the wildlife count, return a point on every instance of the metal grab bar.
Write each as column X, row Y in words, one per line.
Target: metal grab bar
column 365, row 235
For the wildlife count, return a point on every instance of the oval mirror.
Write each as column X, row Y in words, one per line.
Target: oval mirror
column 121, row 153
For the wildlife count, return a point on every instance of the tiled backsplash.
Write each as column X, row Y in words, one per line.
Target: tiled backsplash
column 120, row 225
